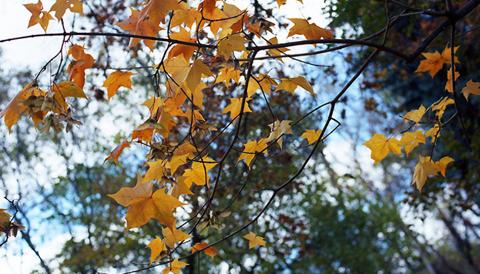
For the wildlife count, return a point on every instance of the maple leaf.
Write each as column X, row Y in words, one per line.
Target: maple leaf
column 195, row 74
column 185, row 15
column 38, row 15
column 449, row 84
column 116, row 80
column 180, row 49
column 15, row 109
column 173, row 236
column 153, row 104
column 115, row 154
column 251, row 148
column 61, row 6
column 138, row 24
column 434, row 61
column 198, row 173
column 68, row 89
column 309, row 30
column 175, row 267
column 127, row 196
column 471, row 88
column 311, row 135
column 144, row 132
column 254, row 240
column 432, row 64
column 177, row 161
column 415, row 115
column 181, row 187
column 157, row 246
column 156, row 170
column 262, row 82
column 380, row 147
column 291, row 84
column 210, row 251
column 227, row 74
column 235, row 107
column 441, row 165
column 82, row 61
column 234, row 42
column 143, row 206
column 410, row 140
column 426, row 167
column 278, row 129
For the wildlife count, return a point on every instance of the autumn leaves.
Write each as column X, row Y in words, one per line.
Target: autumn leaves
column 380, row 146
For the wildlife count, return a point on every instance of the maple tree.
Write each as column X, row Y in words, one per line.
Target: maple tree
column 206, row 82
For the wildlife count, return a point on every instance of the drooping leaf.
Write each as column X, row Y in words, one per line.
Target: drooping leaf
column 471, row 88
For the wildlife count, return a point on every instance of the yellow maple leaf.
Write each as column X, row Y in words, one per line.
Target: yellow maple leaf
column 291, row 84
column 310, row 30
column 262, row 82
column 235, row 107
column 61, row 6
column 127, row 196
column 434, row 61
column 198, row 173
column 209, row 251
column 426, row 167
column 153, row 104
column 380, row 147
column 157, row 246
column 251, row 148
column 311, row 135
column 471, row 88
column 231, row 43
column 410, row 140
column 227, row 74
column 175, row 267
column 415, row 115
column 38, row 15
column 278, row 129
column 172, row 236
column 254, row 240
column 156, row 170
column 181, row 187
column 116, row 80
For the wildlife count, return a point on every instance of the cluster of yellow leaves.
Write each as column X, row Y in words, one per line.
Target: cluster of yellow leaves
column 43, row 17
column 172, row 174
column 382, row 146
column 37, row 103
